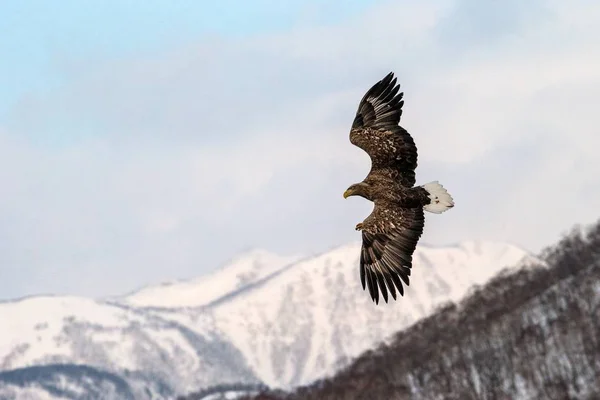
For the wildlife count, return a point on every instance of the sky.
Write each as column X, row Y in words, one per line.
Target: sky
column 143, row 142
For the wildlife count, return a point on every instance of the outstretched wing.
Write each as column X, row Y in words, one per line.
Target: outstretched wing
column 388, row 244
column 375, row 130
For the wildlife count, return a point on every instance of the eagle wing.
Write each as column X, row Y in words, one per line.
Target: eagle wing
column 375, row 130
column 389, row 239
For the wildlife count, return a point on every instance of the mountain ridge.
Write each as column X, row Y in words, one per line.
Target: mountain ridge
column 239, row 270
column 525, row 335
column 236, row 339
column 297, row 286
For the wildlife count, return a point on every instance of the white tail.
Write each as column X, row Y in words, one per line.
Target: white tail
column 440, row 198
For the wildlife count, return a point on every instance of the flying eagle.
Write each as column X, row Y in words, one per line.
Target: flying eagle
column 391, row 232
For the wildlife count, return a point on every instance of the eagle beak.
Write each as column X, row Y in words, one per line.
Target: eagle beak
column 347, row 193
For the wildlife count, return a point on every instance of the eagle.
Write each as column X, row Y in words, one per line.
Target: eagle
column 391, row 232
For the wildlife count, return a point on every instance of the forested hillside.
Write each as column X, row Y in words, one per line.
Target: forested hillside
column 532, row 334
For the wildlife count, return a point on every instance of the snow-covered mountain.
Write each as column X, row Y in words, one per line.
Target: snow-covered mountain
column 155, row 354
column 307, row 322
column 240, row 271
column 261, row 319
column 63, row 382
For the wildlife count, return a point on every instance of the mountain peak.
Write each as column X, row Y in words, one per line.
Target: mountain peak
column 255, row 258
column 318, row 304
column 241, row 270
column 260, row 318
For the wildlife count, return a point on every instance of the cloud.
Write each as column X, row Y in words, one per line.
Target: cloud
column 159, row 167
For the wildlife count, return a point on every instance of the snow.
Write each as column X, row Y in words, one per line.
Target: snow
column 48, row 330
column 279, row 320
column 36, row 322
column 318, row 311
column 245, row 269
column 28, row 393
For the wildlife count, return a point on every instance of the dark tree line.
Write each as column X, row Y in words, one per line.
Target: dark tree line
column 532, row 334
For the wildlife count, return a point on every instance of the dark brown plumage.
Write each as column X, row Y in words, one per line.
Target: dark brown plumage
column 391, row 232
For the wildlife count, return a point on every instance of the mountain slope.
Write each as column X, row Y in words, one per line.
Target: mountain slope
column 240, row 271
column 154, row 353
column 313, row 317
column 263, row 321
column 69, row 382
column 533, row 334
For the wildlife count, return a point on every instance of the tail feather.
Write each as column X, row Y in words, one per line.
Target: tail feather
column 441, row 200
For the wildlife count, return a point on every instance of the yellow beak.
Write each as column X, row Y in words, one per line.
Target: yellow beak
column 347, row 193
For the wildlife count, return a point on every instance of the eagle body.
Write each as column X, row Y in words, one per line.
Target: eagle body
column 391, row 232
column 385, row 187
column 394, row 152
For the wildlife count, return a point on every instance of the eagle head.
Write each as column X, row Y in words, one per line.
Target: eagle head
column 358, row 189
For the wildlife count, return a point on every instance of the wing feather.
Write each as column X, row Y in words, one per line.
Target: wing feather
column 375, row 130
column 386, row 255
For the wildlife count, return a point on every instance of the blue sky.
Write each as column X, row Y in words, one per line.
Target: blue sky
column 43, row 39
column 142, row 143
